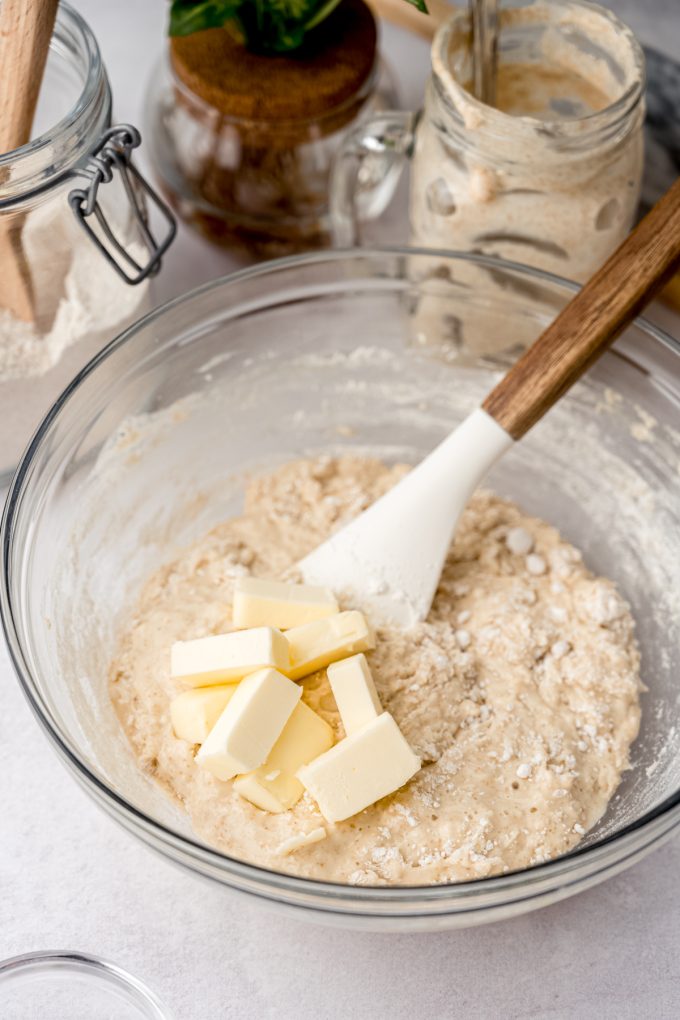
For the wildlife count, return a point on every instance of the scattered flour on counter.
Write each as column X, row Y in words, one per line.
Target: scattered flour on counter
column 77, row 294
column 523, row 717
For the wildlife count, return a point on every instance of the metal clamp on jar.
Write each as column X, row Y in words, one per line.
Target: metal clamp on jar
column 77, row 214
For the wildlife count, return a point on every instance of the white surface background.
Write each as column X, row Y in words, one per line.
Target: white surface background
column 69, row 878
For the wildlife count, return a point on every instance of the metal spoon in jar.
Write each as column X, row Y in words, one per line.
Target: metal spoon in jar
column 388, row 560
column 484, row 14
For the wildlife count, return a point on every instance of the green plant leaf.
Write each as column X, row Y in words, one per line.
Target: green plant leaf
column 277, row 26
column 187, row 16
column 267, row 26
column 322, row 12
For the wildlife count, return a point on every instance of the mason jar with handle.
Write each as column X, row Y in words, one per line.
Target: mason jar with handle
column 550, row 176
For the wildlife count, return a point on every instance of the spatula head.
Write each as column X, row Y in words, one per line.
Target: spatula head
column 388, row 560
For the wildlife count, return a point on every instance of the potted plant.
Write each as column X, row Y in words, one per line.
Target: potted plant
column 253, row 100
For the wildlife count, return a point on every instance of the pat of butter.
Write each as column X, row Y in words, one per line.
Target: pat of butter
column 315, row 645
column 194, row 713
column 354, row 692
column 360, row 769
column 273, row 786
column 275, row 604
column 225, row 658
column 250, row 725
column 296, row 842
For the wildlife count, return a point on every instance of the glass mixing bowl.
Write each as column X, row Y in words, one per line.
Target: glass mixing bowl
column 364, row 351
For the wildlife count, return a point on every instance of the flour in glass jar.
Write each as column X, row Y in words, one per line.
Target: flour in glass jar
column 77, row 295
column 80, row 305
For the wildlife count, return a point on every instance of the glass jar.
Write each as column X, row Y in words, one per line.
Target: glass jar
column 243, row 143
column 550, row 176
column 74, row 230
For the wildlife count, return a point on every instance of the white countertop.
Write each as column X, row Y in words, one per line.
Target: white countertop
column 72, row 879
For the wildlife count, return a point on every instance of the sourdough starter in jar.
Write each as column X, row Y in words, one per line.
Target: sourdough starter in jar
column 550, row 175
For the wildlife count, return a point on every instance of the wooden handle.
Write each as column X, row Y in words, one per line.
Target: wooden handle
column 25, row 31
column 16, row 289
column 608, row 303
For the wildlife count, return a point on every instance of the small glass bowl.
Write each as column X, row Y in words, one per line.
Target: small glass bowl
column 333, row 353
column 58, row 984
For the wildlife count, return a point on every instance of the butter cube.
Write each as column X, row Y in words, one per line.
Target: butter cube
column 226, row 658
column 354, row 692
column 315, row 645
column 273, row 786
column 301, row 840
column 194, row 713
column 250, row 725
column 276, row 604
column 360, row 769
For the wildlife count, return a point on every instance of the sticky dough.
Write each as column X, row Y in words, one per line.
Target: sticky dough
column 520, row 692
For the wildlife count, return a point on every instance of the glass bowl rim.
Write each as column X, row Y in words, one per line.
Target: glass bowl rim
column 95, row 968
column 133, row 817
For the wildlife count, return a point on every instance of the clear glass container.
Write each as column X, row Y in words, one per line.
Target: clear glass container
column 258, row 184
column 317, row 354
column 551, row 175
column 75, row 299
column 56, row 985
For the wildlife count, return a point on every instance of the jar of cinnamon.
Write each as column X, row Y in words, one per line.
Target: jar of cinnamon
column 243, row 140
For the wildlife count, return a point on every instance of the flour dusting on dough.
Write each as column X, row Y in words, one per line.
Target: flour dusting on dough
column 520, row 691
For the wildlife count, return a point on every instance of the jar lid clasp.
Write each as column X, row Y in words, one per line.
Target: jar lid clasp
column 111, row 154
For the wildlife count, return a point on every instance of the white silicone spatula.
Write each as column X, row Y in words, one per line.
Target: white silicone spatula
column 390, row 557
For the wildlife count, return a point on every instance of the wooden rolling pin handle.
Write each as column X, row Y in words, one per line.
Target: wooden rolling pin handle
column 591, row 321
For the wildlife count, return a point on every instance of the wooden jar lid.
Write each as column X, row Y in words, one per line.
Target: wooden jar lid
column 328, row 70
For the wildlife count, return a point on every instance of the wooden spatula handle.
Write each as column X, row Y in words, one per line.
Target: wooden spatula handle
column 25, row 31
column 591, row 321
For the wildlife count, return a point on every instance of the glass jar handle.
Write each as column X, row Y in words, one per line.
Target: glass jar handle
column 366, row 171
column 113, row 153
